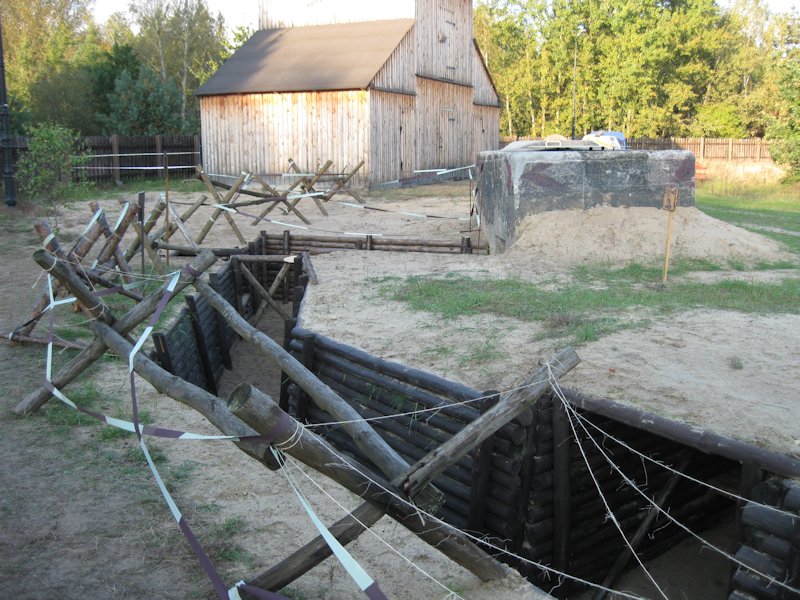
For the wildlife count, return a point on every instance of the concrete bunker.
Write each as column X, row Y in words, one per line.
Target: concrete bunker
column 533, row 177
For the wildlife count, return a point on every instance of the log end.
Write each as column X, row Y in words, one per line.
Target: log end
column 239, row 396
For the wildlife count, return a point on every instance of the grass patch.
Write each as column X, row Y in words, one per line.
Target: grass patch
column 590, row 308
column 772, row 211
column 109, row 190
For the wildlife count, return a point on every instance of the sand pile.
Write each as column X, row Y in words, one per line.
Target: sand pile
column 617, row 235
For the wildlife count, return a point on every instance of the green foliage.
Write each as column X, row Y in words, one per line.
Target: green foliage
column 785, row 129
column 105, row 72
column 144, row 105
column 47, row 171
column 648, row 69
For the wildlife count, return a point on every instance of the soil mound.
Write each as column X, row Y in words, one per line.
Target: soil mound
column 616, row 235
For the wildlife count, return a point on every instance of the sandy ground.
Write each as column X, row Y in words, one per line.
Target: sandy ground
column 679, row 366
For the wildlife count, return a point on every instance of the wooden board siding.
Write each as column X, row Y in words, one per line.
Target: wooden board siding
column 484, row 90
column 444, row 125
column 398, row 74
column 260, row 132
column 444, row 40
column 485, row 129
column 275, row 14
column 392, row 136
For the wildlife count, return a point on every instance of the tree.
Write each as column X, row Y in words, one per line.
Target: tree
column 104, row 74
column 144, row 105
column 784, row 131
column 50, row 171
column 182, row 42
column 45, row 34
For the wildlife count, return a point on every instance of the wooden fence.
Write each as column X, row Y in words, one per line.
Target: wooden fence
column 722, row 149
column 118, row 157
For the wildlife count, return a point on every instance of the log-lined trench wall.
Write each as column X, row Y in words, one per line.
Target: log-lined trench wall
column 770, row 541
column 528, row 487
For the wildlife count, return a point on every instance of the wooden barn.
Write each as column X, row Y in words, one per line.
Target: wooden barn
column 399, row 85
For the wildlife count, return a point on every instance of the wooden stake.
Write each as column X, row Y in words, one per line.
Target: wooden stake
column 670, row 204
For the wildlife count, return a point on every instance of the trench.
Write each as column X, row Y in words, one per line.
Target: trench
column 532, row 492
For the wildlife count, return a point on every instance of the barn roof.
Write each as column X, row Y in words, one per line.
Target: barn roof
column 297, row 59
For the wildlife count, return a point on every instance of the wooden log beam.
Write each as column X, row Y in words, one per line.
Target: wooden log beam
column 362, row 434
column 308, row 267
column 652, row 514
column 149, row 223
column 37, row 398
column 510, row 405
column 262, row 414
column 267, row 296
column 111, row 253
column 28, row 339
column 696, row 437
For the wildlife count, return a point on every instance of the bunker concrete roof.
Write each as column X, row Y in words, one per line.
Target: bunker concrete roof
column 316, row 58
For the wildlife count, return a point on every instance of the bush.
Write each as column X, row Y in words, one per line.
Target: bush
column 50, row 170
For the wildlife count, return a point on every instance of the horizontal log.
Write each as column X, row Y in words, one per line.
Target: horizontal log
column 761, row 562
column 791, row 501
column 750, row 582
column 384, row 379
column 771, row 521
column 509, row 405
column 416, row 377
column 432, row 425
column 702, row 439
column 29, row 339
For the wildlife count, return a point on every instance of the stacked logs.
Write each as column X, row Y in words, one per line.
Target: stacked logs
column 480, row 495
column 771, row 542
column 315, row 244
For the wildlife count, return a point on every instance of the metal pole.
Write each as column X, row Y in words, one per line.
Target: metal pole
column 8, row 167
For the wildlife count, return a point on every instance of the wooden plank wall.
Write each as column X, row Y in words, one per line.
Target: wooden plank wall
column 483, row 88
column 444, row 125
column 261, row 132
column 398, row 74
column 274, row 14
column 485, row 129
column 444, row 40
column 392, row 137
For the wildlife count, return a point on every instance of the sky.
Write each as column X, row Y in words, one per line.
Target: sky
column 245, row 12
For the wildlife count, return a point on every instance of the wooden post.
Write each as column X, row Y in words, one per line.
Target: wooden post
column 670, row 204
column 257, row 287
column 702, row 147
column 222, row 328
column 730, row 149
column 481, row 471
column 162, row 352
column 288, row 326
column 202, row 344
column 143, row 231
column 309, row 345
column 562, row 440
column 638, row 537
column 115, row 159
